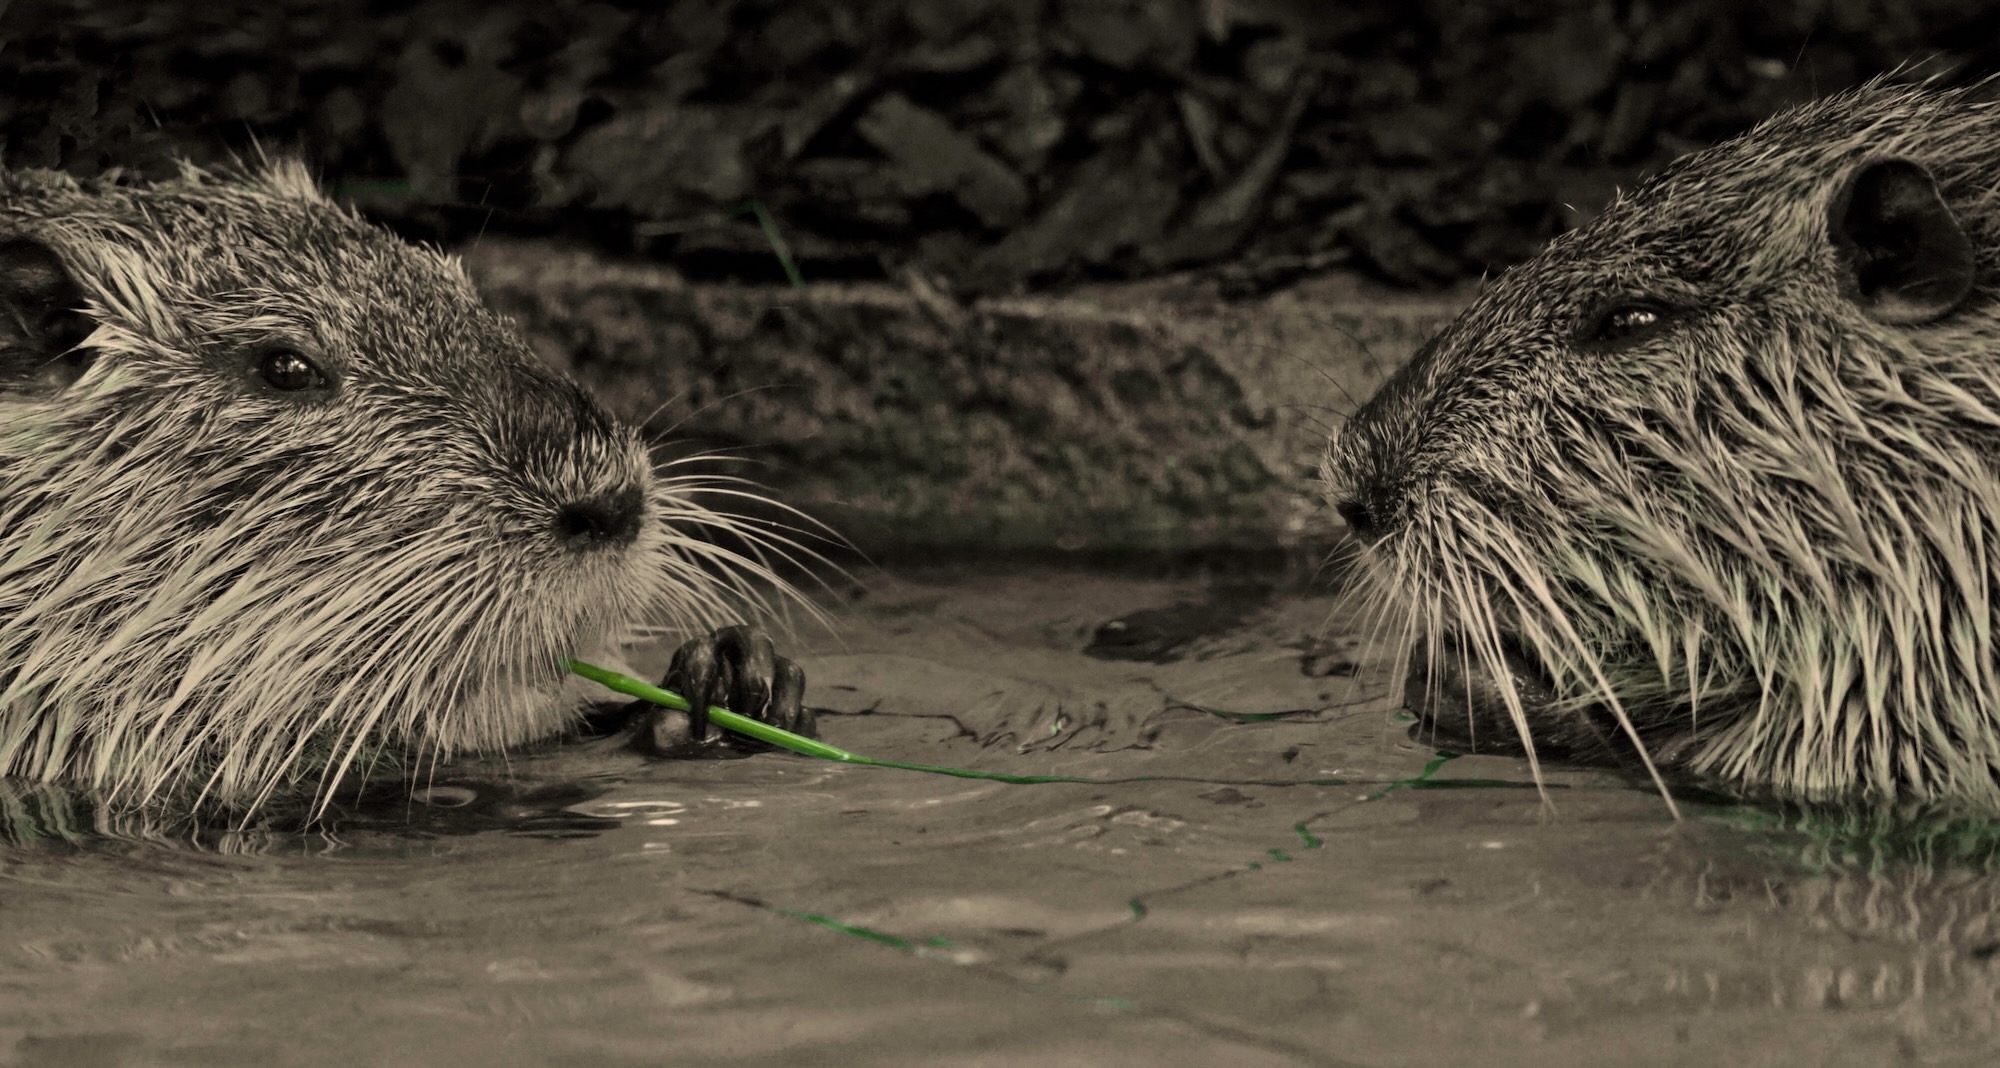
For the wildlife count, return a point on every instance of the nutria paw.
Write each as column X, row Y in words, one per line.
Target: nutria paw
column 736, row 668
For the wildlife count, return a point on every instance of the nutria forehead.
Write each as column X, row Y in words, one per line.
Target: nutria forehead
column 1744, row 224
column 211, row 264
column 243, row 244
column 1748, row 214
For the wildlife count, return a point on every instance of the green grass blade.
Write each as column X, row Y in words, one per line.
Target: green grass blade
column 785, row 739
column 717, row 715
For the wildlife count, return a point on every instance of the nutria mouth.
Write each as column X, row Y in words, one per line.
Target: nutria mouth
column 1459, row 707
column 1458, row 704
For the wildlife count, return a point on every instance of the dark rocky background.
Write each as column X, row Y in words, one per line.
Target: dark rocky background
column 986, row 145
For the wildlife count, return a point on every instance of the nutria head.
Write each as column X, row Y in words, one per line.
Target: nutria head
column 1713, row 477
column 276, row 488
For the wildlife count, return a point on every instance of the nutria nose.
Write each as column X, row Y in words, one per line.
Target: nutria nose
column 1359, row 519
column 608, row 521
column 1367, row 515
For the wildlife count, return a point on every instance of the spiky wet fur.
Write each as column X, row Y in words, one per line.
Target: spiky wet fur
column 1768, row 538
column 209, row 590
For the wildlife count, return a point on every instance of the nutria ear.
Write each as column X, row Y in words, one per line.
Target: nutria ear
column 1905, row 257
column 40, row 320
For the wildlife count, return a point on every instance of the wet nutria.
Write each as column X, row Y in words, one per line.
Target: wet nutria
column 276, row 489
column 1714, row 480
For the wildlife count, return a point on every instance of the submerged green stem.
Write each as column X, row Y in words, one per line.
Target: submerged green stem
column 801, row 745
column 785, row 739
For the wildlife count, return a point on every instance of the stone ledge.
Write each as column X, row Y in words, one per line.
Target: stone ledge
column 1148, row 416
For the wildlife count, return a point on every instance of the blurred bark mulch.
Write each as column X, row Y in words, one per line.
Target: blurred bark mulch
column 985, row 145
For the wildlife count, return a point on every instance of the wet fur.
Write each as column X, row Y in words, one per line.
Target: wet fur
column 209, row 590
column 1767, row 539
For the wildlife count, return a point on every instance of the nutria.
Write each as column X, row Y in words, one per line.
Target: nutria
column 278, row 494
column 1712, row 482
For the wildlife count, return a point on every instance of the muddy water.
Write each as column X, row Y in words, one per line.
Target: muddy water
column 1265, row 876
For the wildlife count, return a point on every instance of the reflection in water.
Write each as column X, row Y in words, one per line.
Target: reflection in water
column 1914, row 890
column 51, row 815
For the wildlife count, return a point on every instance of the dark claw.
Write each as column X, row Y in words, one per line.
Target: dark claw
column 736, row 668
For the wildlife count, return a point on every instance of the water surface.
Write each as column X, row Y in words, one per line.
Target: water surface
column 1265, row 883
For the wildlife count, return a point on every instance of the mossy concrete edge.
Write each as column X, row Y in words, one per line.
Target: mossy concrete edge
column 1147, row 416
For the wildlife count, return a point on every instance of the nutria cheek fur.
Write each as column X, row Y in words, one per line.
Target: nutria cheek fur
column 1713, row 481
column 277, row 490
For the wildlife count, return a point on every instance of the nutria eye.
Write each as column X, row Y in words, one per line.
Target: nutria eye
column 1625, row 323
column 286, row 370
